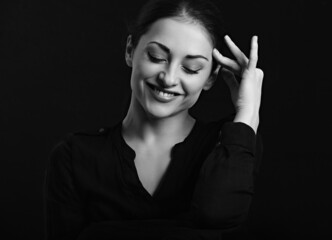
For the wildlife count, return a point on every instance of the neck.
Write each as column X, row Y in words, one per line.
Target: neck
column 148, row 129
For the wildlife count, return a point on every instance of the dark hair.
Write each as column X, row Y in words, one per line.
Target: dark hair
column 203, row 12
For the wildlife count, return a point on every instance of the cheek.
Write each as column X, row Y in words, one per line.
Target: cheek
column 194, row 85
column 142, row 68
column 193, row 89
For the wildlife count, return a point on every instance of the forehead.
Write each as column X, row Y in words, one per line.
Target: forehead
column 179, row 36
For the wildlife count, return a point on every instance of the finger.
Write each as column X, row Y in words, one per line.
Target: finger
column 253, row 53
column 227, row 62
column 238, row 54
column 217, row 69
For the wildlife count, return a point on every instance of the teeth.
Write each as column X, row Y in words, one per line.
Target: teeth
column 164, row 94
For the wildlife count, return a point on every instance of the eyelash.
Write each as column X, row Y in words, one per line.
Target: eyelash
column 159, row 60
column 154, row 59
column 190, row 71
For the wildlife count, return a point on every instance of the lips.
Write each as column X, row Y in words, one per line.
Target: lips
column 162, row 95
column 162, row 91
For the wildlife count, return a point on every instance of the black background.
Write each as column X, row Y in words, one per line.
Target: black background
column 62, row 69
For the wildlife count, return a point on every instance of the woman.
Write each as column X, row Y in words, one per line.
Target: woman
column 160, row 173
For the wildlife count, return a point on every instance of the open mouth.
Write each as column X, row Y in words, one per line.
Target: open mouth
column 162, row 92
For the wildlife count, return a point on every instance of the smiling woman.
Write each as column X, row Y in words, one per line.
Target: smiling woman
column 160, row 173
column 174, row 60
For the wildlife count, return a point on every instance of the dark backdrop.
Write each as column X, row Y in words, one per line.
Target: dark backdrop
column 62, row 69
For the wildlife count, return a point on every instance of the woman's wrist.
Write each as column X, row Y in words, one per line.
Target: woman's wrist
column 251, row 118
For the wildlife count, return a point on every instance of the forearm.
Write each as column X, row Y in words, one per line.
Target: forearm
column 224, row 189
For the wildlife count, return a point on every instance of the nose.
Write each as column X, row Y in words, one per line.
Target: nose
column 166, row 79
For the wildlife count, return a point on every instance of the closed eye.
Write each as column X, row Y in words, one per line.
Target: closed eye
column 190, row 71
column 155, row 58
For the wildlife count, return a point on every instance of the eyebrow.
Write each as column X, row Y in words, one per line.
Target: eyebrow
column 166, row 49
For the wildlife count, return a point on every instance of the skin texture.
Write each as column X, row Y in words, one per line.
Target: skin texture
column 172, row 71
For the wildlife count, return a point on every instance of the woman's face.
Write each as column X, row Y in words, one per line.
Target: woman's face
column 171, row 65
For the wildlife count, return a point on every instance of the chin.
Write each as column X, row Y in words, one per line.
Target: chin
column 157, row 111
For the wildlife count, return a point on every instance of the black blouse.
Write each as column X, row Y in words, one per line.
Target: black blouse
column 92, row 189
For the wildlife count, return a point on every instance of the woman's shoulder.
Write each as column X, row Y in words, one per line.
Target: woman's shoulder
column 85, row 150
column 89, row 139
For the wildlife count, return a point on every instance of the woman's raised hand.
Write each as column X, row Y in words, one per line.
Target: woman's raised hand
column 246, row 95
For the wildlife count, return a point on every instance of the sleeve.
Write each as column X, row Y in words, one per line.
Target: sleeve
column 64, row 210
column 225, row 185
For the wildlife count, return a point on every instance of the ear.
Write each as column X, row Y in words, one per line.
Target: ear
column 129, row 52
column 213, row 77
